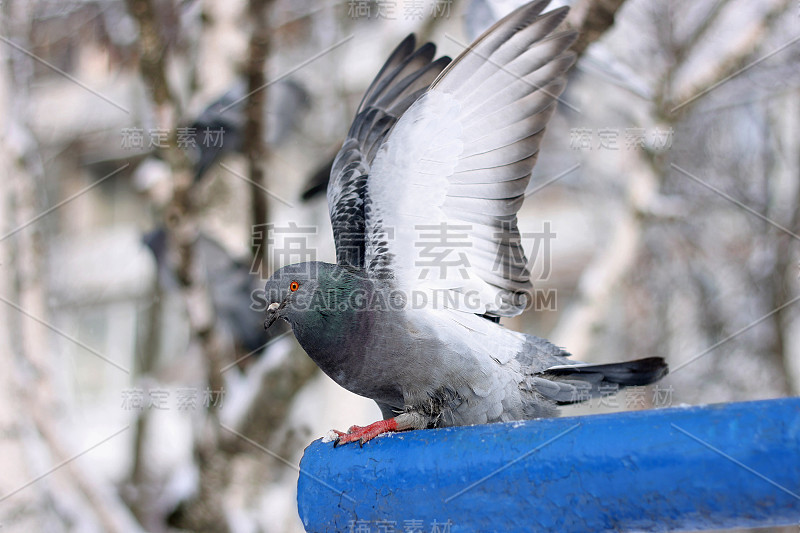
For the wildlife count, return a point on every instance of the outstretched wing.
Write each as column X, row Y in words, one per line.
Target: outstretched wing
column 404, row 77
column 447, row 182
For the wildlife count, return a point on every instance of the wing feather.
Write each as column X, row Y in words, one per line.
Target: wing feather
column 404, row 77
column 460, row 158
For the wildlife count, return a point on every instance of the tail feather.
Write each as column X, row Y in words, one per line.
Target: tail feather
column 572, row 379
column 638, row 372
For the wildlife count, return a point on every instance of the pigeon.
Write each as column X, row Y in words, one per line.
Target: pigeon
column 219, row 129
column 411, row 321
column 231, row 286
column 317, row 183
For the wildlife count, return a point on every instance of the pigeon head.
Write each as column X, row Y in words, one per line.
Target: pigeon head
column 288, row 289
column 307, row 292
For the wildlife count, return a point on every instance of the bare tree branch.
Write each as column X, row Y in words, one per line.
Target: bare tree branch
column 255, row 125
column 592, row 18
column 182, row 231
column 39, row 391
column 602, row 276
column 684, row 48
column 739, row 54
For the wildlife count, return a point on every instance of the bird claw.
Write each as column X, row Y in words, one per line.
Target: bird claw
column 365, row 433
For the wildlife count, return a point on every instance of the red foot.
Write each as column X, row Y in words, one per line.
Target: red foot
column 364, row 434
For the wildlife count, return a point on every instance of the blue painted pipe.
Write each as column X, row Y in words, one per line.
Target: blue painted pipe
column 716, row 466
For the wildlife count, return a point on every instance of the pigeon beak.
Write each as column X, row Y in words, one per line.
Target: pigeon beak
column 272, row 314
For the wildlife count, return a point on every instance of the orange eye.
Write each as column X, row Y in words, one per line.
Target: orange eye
column 293, row 286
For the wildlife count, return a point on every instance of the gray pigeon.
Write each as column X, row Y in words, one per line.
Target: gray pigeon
column 230, row 286
column 410, row 320
column 286, row 103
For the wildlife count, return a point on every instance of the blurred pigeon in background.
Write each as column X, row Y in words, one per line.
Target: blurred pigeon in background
column 438, row 144
column 286, row 102
column 231, row 286
column 317, row 184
